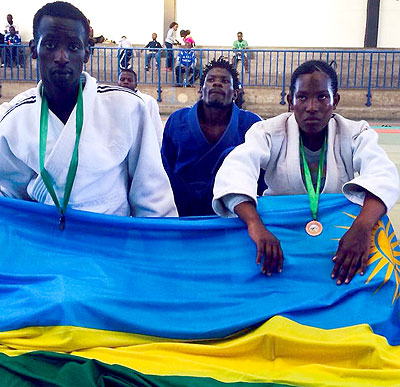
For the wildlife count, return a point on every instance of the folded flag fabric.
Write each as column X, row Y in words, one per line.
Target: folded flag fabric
column 163, row 302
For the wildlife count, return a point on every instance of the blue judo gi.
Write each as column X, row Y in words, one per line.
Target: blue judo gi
column 191, row 162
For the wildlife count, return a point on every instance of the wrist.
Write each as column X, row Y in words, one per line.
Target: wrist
column 364, row 224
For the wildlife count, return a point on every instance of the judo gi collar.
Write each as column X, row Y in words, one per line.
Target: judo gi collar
column 73, row 165
column 313, row 227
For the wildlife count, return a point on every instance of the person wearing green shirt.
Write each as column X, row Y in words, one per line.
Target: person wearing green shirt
column 240, row 44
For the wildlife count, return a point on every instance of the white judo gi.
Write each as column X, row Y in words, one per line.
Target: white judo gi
column 119, row 171
column 354, row 163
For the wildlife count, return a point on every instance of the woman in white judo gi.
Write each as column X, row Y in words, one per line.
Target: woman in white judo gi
column 310, row 150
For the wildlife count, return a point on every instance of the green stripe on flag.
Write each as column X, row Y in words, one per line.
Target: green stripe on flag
column 42, row 368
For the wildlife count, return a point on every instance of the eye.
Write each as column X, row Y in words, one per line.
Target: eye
column 74, row 47
column 225, row 81
column 301, row 97
column 210, row 79
column 322, row 97
column 49, row 45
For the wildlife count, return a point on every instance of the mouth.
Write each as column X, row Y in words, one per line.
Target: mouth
column 312, row 119
column 220, row 92
column 62, row 72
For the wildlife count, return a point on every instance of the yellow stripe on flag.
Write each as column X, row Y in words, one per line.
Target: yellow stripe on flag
column 279, row 351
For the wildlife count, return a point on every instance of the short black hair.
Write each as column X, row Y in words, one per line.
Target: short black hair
column 126, row 70
column 311, row 66
column 60, row 9
column 222, row 64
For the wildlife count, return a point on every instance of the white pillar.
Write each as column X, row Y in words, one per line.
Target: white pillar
column 169, row 15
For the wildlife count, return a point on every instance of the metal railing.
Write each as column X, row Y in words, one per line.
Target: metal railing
column 356, row 69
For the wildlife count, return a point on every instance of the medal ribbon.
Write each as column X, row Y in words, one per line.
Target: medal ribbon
column 313, row 194
column 73, row 165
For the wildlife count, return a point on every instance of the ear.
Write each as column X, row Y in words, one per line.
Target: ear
column 235, row 94
column 87, row 55
column 289, row 99
column 32, row 47
column 336, row 99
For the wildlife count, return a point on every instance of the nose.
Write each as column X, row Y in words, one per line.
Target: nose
column 217, row 82
column 61, row 57
column 312, row 105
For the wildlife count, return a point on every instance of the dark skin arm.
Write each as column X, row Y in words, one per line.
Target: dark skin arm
column 355, row 244
column 269, row 252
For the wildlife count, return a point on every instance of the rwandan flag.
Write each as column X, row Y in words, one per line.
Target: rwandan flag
column 115, row 301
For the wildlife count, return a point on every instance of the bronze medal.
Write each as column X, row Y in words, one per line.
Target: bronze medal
column 314, row 228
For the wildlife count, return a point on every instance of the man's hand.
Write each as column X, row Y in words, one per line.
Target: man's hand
column 355, row 245
column 269, row 252
column 352, row 253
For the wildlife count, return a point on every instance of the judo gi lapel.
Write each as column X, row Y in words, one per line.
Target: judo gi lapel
column 332, row 171
column 212, row 152
column 293, row 156
column 332, row 181
column 59, row 156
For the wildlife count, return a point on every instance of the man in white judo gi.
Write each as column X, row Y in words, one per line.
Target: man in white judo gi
column 128, row 78
column 75, row 143
column 310, row 151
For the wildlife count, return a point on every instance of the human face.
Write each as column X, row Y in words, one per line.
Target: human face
column 62, row 48
column 9, row 19
column 127, row 79
column 217, row 90
column 175, row 27
column 240, row 37
column 154, row 36
column 313, row 102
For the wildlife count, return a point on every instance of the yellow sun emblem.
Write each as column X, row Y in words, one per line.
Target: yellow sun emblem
column 385, row 250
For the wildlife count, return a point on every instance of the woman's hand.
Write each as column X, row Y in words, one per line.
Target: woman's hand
column 354, row 246
column 352, row 253
column 269, row 252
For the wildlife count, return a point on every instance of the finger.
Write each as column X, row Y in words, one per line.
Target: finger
column 280, row 259
column 277, row 258
column 355, row 263
column 260, row 252
column 274, row 259
column 344, row 268
column 338, row 261
column 267, row 259
column 364, row 262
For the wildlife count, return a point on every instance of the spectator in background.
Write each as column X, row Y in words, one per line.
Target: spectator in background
column 14, row 51
column 153, row 53
column 170, row 40
column 197, row 139
column 126, row 55
column 128, row 78
column 185, row 35
column 186, row 62
column 240, row 44
column 10, row 23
